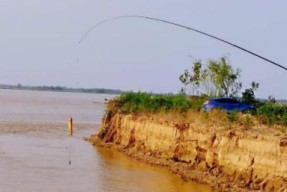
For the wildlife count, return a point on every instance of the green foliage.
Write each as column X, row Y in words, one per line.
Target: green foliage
column 224, row 77
column 143, row 102
column 129, row 102
column 197, row 101
column 273, row 113
column 218, row 78
column 194, row 78
column 233, row 116
column 248, row 95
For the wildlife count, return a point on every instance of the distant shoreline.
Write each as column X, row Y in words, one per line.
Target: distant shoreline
column 61, row 89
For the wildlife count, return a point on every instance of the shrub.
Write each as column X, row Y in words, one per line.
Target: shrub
column 275, row 113
column 233, row 116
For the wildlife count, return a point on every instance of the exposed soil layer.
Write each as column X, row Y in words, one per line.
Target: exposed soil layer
column 227, row 157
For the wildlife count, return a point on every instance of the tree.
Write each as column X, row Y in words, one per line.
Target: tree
column 224, row 77
column 218, row 78
column 248, row 96
column 194, row 78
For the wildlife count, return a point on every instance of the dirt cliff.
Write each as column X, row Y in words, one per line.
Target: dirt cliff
column 228, row 157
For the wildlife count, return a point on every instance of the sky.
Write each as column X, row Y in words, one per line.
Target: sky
column 39, row 42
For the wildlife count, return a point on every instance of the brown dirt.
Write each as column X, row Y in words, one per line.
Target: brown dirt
column 125, row 134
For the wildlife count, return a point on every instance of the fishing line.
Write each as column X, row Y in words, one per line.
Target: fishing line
column 185, row 27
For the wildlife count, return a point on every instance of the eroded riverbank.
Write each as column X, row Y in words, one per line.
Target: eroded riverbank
column 227, row 158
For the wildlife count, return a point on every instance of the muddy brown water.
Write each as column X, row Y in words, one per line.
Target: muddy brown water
column 36, row 153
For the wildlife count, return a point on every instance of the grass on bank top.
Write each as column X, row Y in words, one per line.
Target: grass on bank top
column 130, row 102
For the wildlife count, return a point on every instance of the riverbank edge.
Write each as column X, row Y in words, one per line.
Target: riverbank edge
column 226, row 158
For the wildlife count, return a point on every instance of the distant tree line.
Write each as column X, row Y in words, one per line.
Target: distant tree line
column 61, row 89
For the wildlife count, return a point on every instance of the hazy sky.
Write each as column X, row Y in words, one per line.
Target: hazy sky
column 39, row 42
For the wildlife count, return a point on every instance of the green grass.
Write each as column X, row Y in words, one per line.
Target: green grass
column 273, row 113
column 140, row 102
column 143, row 102
column 130, row 102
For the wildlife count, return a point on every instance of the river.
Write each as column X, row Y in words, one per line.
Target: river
column 36, row 153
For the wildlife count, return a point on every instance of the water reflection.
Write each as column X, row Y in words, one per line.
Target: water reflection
column 125, row 174
column 35, row 162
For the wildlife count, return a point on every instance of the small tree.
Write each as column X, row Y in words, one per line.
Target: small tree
column 224, row 77
column 185, row 79
column 248, row 96
column 216, row 79
column 194, row 78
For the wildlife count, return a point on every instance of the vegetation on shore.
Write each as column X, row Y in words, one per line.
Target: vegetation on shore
column 130, row 102
column 267, row 112
column 217, row 78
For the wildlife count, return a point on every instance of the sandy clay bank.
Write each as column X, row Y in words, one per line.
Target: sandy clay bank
column 225, row 156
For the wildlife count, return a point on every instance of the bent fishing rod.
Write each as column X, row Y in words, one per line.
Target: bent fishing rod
column 185, row 27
